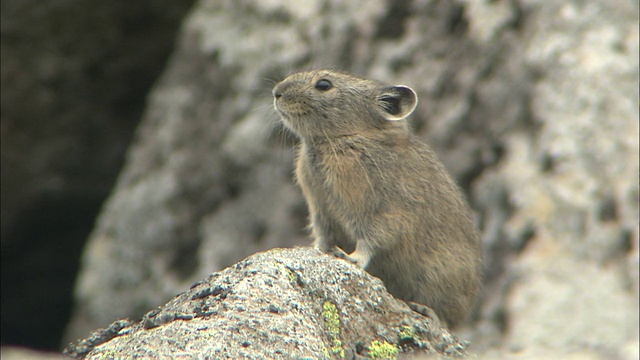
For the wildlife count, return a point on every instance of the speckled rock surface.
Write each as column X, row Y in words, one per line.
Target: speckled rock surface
column 283, row 303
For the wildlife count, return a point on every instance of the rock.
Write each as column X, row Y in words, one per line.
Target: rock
column 574, row 180
column 283, row 303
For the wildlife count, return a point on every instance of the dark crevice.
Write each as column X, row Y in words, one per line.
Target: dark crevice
column 457, row 23
column 607, row 209
column 184, row 257
column 258, row 232
column 346, row 52
column 392, row 26
column 103, row 59
column 484, row 158
column 38, row 280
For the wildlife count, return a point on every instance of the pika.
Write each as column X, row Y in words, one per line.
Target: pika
column 376, row 191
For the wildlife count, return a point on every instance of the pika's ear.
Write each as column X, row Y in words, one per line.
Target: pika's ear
column 397, row 102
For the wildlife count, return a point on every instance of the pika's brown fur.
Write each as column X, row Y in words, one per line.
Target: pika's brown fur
column 375, row 190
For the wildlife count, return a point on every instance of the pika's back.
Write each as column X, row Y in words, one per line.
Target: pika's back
column 328, row 104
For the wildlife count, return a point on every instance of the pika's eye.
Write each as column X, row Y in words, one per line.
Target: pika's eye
column 323, row 85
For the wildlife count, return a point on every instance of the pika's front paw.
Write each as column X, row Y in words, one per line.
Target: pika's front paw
column 339, row 253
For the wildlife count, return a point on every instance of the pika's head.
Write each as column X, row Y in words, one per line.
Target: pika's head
column 327, row 104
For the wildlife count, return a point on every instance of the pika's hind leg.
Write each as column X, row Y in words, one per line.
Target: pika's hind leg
column 426, row 311
column 361, row 256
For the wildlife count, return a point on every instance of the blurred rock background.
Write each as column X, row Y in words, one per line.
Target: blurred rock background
column 75, row 76
column 532, row 105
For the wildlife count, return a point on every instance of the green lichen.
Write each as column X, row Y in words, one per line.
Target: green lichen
column 331, row 317
column 108, row 354
column 207, row 334
column 332, row 324
column 407, row 333
column 277, row 264
column 325, row 351
column 293, row 277
column 382, row 350
column 336, row 348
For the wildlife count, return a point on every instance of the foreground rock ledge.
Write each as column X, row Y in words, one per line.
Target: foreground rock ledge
column 291, row 303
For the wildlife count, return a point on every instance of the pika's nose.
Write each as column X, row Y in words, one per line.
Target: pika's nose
column 279, row 89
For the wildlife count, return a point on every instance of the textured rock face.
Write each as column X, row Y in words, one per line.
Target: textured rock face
column 576, row 181
column 532, row 105
column 284, row 303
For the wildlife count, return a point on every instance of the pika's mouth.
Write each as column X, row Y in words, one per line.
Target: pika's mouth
column 276, row 105
column 289, row 109
column 286, row 115
column 282, row 110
